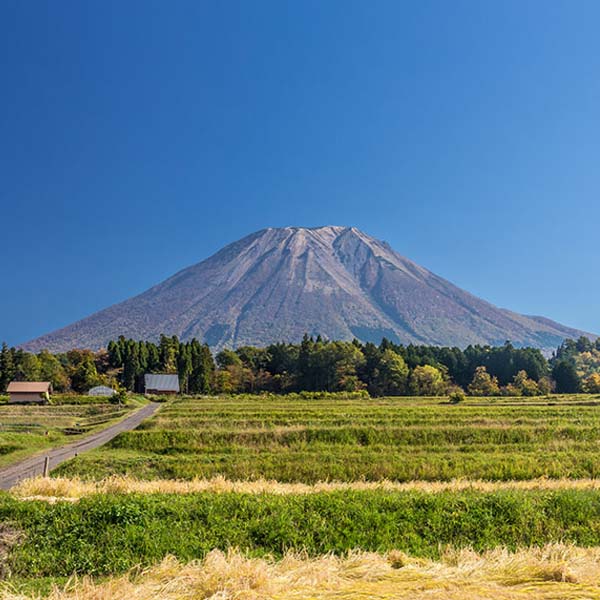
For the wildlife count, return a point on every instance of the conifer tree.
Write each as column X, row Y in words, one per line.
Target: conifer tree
column 131, row 366
column 184, row 367
column 7, row 367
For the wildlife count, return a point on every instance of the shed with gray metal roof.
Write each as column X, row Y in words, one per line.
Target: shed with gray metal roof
column 161, row 383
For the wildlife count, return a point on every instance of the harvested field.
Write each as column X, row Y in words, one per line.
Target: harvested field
column 347, row 440
column 323, row 498
column 556, row 571
column 64, row 488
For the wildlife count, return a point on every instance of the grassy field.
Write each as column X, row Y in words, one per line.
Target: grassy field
column 400, row 439
column 110, row 533
column 25, row 430
column 272, row 497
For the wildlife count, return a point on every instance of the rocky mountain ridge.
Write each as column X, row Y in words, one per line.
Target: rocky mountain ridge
column 278, row 283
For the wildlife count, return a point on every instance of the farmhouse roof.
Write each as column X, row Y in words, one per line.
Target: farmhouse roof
column 33, row 387
column 161, row 382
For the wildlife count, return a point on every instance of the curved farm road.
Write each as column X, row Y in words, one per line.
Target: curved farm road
column 33, row 466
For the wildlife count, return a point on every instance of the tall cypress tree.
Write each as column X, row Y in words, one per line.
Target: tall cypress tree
column 7, row 367
column 115, row 360
column 131, row 367
column 567, row 380
column 184, row 367
column 153, row 357
column 305, row 370
column 168, row 348
column 143, row 357
column 202, row 368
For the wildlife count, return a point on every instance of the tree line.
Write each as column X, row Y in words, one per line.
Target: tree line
column 316, row 364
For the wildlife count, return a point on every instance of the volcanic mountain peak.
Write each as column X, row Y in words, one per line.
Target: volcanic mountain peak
column 278, row 283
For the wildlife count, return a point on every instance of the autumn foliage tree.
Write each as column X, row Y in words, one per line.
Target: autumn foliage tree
column 315, row 365
column 591, row 383
column 427, row 380
column 483, row 383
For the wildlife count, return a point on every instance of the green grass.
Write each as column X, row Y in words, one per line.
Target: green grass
column 105, row 534
column 301, row 439
column 316, row 439
column 26, row 429
column 62, row 399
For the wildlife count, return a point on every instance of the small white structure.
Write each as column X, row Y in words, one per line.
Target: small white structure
column 102, row 390
column 29, row 392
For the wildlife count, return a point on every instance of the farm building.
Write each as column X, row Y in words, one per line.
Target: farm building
column 29, row 392
column 101, row 390
column 161, row 383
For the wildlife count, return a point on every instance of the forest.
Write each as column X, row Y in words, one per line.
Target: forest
column 316, row 365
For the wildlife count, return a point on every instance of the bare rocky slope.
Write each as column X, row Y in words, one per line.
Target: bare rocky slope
column 277, row 284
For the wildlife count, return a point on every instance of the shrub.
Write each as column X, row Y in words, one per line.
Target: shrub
column 456, row 397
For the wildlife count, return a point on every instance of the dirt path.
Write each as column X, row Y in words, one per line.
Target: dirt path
column 30, row 467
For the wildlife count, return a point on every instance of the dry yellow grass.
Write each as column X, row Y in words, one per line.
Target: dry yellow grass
column 552, row 572
column 71, row 489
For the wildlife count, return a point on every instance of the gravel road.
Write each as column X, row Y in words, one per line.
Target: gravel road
column 34, row 465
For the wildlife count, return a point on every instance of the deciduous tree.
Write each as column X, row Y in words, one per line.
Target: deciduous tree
column 427, row 380
column 483, row 383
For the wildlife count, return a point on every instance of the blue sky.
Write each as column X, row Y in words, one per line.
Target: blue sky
column 138, row 137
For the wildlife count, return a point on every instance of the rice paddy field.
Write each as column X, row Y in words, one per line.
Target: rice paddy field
column 25, row 430
column 274, row 497
column 400, row 439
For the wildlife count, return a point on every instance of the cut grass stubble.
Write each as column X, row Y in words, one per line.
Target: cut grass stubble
column 554, row 571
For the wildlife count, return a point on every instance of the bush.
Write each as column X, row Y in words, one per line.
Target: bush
column 120, row 397
column 456, row 397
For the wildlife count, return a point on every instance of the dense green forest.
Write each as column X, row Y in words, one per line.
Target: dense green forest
column 316, row 365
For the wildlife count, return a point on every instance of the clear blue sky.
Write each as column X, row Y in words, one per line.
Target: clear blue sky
column 138, row 137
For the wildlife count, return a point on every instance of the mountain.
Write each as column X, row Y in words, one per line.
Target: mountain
column 277, row 284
